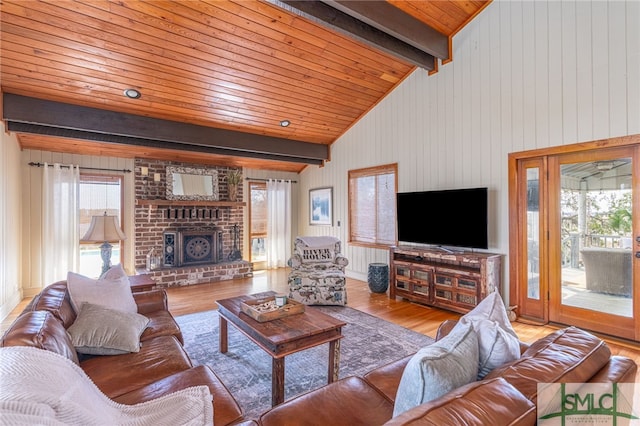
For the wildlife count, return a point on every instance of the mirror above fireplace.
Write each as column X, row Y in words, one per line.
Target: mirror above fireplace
column 191, row 183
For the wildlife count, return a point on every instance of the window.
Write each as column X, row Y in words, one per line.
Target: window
column 258, row 222
column 98, row 193
column 372, row 205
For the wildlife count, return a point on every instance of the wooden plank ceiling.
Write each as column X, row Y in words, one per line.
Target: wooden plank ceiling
column 240, row 66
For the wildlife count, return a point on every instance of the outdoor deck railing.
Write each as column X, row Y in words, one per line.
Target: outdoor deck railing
column 571, row 246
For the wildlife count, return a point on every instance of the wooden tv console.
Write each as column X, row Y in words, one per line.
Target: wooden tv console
column 456, row 281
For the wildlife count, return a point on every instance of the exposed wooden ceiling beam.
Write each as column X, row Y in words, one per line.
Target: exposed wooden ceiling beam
column 337, row 20
column 393, row 21
column 38, row 116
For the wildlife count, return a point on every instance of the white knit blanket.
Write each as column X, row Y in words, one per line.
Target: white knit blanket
column 44, row 388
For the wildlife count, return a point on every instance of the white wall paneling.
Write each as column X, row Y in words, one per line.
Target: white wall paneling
column 11, row 243
column 618, row 69
column 525, row 75
column 632, row 55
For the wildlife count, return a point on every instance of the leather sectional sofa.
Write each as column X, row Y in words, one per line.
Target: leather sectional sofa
column 506, row 396
column 161, row 367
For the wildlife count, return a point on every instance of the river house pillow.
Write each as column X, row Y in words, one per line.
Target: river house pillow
column 438, row 369
column 497, row 341
column 110, row 293
column 101, row 331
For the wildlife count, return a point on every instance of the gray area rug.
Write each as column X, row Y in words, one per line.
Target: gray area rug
column 368, row 342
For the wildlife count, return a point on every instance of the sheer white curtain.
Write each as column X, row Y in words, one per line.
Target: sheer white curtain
column 278, row 223
column 60, row 215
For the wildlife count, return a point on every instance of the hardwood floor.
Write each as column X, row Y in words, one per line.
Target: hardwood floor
column 423, row 319
column 183, row 300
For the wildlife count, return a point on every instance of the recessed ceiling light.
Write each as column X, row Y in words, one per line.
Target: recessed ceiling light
column 285, row 123
column 132, row 93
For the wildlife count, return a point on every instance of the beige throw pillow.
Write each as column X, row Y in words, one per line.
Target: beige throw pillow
column 102, row 331
column 110, row 293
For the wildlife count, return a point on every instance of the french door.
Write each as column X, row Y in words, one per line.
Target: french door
column 258, row 224
column 577, row 235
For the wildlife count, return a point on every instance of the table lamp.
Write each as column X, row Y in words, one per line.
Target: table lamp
column 104, row 229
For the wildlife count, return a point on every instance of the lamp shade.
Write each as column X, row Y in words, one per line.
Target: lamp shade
column 103, row 228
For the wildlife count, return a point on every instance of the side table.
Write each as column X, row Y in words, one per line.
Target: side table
column 142, row 282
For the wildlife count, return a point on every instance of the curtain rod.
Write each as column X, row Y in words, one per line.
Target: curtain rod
column 266, row 180
column 83, row 168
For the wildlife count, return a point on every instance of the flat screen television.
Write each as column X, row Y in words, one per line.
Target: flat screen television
column 447, row 218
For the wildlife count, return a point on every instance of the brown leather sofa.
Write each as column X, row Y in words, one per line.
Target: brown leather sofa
column 161, row 367
column 507, row 396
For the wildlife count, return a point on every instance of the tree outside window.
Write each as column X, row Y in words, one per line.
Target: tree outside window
column 372, row 205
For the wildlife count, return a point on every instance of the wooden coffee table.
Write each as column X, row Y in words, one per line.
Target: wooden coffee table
column 283, row 336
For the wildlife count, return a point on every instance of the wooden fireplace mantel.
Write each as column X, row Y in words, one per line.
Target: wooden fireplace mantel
column 161, row 202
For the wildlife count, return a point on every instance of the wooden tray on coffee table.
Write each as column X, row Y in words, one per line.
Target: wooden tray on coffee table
column 265, row 309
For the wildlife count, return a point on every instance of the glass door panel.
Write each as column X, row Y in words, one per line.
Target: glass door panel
column 422, row 275
column 533, row 233
column 403, row 271
column 421, row 289
column 258, row 224
column 592, row 241
column 596, row 236
column 531, row 229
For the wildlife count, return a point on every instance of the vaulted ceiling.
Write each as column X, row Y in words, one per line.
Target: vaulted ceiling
column 216, row 78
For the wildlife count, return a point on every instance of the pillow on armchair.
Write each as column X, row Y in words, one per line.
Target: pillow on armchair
column 317, row 254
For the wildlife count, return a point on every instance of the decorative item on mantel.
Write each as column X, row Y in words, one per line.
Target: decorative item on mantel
column 234, row 177
column 154, row 260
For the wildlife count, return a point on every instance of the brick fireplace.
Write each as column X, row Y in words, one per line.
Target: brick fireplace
column 195, row 240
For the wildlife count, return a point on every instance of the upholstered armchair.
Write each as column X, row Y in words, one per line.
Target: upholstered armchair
column 317, row 272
